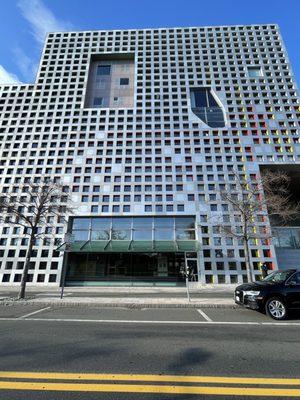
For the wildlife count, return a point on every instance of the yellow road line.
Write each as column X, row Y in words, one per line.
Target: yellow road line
column 89, row 387
column 148, row 378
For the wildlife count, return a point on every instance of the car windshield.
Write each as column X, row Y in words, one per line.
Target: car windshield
column 277, row 277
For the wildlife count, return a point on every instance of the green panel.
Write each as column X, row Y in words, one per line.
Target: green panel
column 118, row 246
column 165, row 245
column 142, row 246
column 76, row 246
column 97, row 246
column 122, row 246
column 188, row 245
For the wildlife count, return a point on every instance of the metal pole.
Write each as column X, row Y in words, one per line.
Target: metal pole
column 187, row 288
column 63, row 275
column 186, row 278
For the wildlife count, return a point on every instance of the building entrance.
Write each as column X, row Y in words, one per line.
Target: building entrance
column 125, row 269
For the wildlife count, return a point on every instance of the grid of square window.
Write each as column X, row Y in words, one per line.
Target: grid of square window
column 155, row 157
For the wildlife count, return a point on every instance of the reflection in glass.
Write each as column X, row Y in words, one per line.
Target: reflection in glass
column 100, row 235
column 118, row 234
column 80, row 235
column 101, row 223
column 296, row 237
column 145, row 223
column 142, row 228
column 185, row 222
column 81, row 223
column 164, row 234
column 285, row 238
column 182, row 234
column 124, row 223
column 163, row 222
column 141, row 234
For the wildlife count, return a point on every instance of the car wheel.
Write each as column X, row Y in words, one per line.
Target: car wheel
column 276, row 308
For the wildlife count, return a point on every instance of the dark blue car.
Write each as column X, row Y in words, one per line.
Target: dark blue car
column 276, row 294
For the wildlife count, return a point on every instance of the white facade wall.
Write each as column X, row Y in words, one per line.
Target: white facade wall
column 156, row 158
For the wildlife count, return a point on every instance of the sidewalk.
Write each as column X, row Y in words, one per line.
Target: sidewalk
column 208, row 296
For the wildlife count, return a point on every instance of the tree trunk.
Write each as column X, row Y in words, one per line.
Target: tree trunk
column 248, row 260
column 26, row 267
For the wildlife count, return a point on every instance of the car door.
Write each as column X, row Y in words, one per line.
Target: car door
column 293, row 290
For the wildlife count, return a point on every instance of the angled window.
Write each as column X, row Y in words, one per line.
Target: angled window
column 206, row 107
column 254, row 72
column 103, row 70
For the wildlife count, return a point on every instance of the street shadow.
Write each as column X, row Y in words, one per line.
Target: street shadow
column 294, row 315
column 190, row 357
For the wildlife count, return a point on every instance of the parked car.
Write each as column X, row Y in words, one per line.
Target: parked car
column 276, row 294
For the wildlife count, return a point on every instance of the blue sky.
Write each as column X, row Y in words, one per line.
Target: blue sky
column 24, row 23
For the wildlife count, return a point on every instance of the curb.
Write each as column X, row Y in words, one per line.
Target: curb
column 116, row 305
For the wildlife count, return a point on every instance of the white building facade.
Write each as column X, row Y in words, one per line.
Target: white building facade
column 144, row 128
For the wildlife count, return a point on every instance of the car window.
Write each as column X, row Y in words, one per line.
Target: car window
column 296, row 278
column 278, row 276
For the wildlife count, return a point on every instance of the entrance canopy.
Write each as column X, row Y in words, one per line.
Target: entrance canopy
column 135, row 246
column 132, row 234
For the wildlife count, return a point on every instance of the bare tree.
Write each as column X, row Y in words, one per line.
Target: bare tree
column 34, row 207
column 252, row 202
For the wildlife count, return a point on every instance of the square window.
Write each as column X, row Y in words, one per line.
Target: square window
column 6, row 278
column 124, row 81
column 54, row 265
column 40, row 278
column 103, row 69
column 17, row 278
column 52, row 278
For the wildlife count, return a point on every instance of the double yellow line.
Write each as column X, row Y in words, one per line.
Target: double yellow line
column 176, row 384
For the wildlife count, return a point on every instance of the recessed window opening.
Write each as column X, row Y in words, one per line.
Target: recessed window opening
column 203, row 98
column 206, row 107
column 124, row 81
column 254, row 71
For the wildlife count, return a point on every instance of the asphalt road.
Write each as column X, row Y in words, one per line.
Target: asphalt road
column 157, row 350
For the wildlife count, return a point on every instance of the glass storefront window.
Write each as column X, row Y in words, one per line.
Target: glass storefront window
column 123, row 223
column 164, row 223
column 101, row 223
column 182, row 234
column 185, row 223
column 284, row 237
column 134, row 228
column 142, row 234
column 142, row 222
column 80, row 235
column 81, row 223
column 163, row 234
column 100, row 235
column 296, row 236
column 118, row 234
